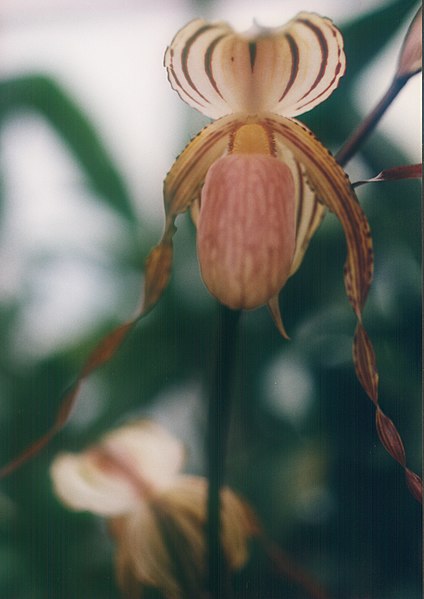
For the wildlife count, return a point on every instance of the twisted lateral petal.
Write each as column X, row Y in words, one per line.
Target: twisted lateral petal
column 163, row 544
column 181, row 187
column 130, row 465
column 287, row 70
column 246, row 229
column 309, row 214
column 333, row 188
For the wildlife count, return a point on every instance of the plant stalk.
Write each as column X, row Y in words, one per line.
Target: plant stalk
column 361, row 133
column 288, row 569
column 218, row 425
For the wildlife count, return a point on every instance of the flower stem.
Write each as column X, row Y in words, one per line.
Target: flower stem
column 218, row 424
column 288, row 569
column 360, row 134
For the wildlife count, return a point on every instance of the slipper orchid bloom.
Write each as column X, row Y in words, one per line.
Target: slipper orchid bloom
column 257, row 181
column 155, row 514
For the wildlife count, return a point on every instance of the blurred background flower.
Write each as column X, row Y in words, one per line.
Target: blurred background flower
column 89, row 128
column 157, row 514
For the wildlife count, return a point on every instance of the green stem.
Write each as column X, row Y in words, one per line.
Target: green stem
column 218, row 424
column 360, row 134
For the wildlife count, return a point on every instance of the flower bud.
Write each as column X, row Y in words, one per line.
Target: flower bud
column 410, row 58
column 246, row 229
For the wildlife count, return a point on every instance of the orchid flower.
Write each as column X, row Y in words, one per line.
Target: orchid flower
column 155, row 513
column 256, row 180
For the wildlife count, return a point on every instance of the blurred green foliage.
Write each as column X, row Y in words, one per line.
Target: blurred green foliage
column 319, row 479
column 42, row 95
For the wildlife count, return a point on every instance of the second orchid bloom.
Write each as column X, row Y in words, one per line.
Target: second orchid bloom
column 155, row 513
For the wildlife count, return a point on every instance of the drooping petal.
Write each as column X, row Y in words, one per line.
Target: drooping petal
column 163, row 544
column 157, row 273
column 287, row 70
column 246, row 229
column 129, row 465
column 334, row 189
column 181, row 187
column 332, row 186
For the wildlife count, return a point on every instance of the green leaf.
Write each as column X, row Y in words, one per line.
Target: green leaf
column 43, row 95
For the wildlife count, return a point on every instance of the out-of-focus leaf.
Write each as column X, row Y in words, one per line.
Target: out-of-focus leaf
column 43, row 95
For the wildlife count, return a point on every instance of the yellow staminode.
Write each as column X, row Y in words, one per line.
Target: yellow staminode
column 251, row 139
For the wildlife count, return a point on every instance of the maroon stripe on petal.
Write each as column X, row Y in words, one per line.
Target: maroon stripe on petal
column 324, row 91
column 294, row 50
column 171, row 72
column 208, row 63
column 252, row 54
column 185, row 54
column 300, row 200
column 313, row 215
column 362, row 258
column 200, row 154
column 324, row 54
column 335, row 76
